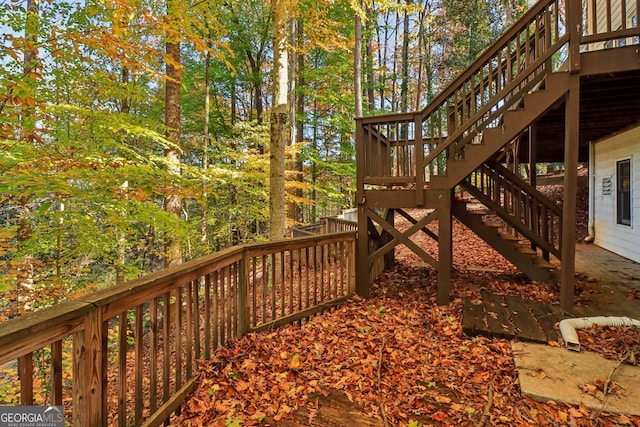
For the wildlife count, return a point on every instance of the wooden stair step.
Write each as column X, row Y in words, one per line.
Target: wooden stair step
column 541, row 262
column 509, row 236
column 494, row 224
column 526, row 250
column 481, row 212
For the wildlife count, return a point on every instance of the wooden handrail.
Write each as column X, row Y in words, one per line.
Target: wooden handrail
column 524, row 185
column 408, row 147
column 248, row 287
column 519, row 204
column 469, row 71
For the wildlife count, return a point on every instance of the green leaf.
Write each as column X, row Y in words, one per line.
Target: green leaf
column 44, row 207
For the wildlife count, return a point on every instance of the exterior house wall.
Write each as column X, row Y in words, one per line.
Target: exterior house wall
column 621, row 239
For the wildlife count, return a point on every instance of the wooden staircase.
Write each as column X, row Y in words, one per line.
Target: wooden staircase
column 533, row 74
column 520, row 254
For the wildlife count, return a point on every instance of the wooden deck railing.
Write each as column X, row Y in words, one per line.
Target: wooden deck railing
column 605, row 20
column 408, row 148
column 338, row 225
column 522, row 207
column 128, row 355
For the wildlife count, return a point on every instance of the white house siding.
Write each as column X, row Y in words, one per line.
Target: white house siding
column 621, row 239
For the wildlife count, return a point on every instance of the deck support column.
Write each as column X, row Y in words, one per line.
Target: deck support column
column 362, row 253
column 571, row 146
column 533, row 155
column 445, row 247
column 389, row 257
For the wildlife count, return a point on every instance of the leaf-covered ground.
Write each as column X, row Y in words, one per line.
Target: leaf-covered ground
column 398, row 353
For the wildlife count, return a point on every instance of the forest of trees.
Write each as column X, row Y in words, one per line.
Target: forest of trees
column 135, row 134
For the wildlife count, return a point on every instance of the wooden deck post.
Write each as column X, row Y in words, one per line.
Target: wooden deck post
column 389, row 257
column 574, row 27
column 445, row 248
column 25, row 373
column 572, row 139
column 94, row 358
column 243, row 295
column 362, row 254
column 362, row 250
column 78, row 393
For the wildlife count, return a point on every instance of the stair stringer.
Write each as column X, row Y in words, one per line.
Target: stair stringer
column 514, row 122
column 526, row 260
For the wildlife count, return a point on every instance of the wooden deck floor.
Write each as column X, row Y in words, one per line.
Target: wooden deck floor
column 509, row 317
column 614, row 290
column 332, row 410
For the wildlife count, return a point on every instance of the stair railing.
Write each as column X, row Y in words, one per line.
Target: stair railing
column 408, row 148
column 519, row 204
column 497, row 80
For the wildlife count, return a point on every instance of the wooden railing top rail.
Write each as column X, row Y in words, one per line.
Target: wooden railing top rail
column 341, row 221
column 95, row 352
column 35, row 330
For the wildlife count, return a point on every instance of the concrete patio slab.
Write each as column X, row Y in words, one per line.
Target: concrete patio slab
column 550, row 373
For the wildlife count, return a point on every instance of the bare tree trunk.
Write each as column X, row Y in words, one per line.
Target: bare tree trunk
column 291, row 104
column 125, row 103
column 278, row 122
column 300, row 102
column 25, row 277
column 234, row 112
column 205, row 150
column 357, row 66
column 369, row 65
column 314, row 166
column 510, row 13
column 257, row 88
column 172, row 201
column 419, row 83
column 383, row 56
column 404, row 84
column 394, row 75
column 30, row 64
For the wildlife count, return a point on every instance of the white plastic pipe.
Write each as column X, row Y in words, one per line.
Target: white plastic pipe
column 568, row 327
column 592, row 193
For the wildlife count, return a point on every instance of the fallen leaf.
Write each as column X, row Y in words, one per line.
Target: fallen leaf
column 295, row 363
